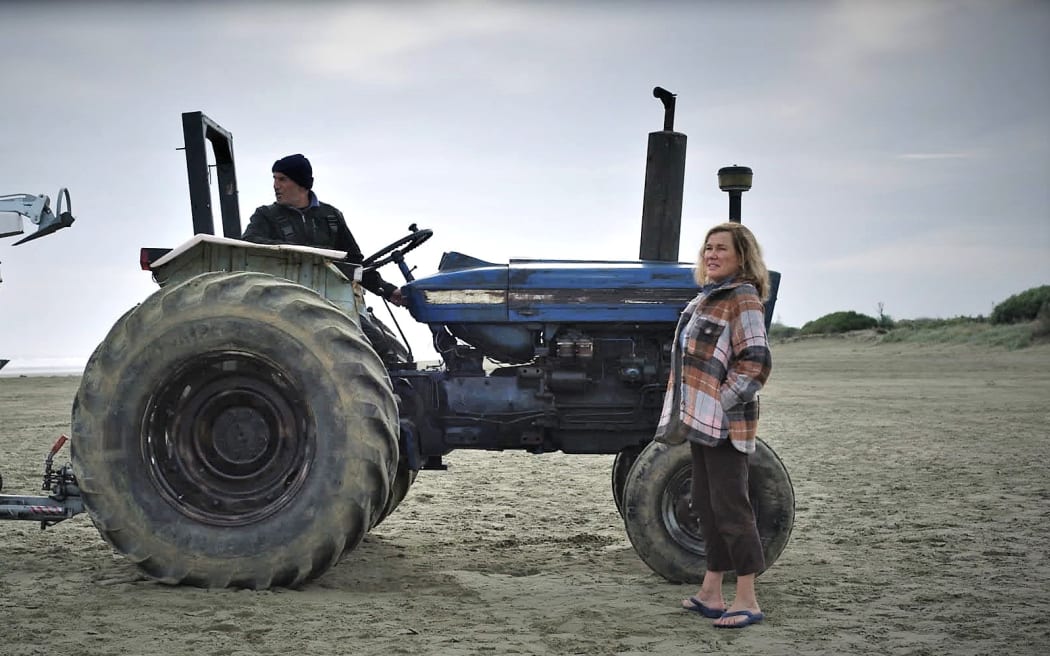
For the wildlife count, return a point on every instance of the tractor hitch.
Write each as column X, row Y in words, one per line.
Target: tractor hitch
column 63, row 502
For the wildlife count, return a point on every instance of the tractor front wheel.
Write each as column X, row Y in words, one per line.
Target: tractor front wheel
column 658, row 515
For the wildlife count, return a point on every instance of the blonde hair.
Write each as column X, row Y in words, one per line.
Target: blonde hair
column 752, row 267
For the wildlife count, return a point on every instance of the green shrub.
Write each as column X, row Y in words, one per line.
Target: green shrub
column 1021, row 307
column 960, row 331
column 839, row 322
column 926, row 322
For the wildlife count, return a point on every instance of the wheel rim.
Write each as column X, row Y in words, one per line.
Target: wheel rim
column 227, row 438
column 676, row 508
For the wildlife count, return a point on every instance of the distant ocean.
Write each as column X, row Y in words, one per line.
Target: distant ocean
column 43, row 367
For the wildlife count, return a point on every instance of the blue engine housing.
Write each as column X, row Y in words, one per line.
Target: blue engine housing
column 584, row 351
column 497, row 308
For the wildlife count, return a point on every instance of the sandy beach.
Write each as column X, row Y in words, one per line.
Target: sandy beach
column 922, row 479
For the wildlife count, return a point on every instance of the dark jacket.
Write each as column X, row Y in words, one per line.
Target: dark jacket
column 319, row 225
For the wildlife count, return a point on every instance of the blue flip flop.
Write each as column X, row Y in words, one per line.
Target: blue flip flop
column 752, row 618
column 699, row 607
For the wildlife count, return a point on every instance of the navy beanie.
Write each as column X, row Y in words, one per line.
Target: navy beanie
column 297, row 168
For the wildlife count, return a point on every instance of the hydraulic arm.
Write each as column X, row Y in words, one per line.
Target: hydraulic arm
column 38, row 210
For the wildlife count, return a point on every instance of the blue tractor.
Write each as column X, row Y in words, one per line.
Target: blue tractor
column 237, row 428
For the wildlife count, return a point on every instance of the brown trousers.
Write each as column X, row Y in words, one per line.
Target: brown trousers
column 721, row 501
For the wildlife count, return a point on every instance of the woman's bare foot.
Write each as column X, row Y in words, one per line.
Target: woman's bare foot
column 737, row 618
column 710, row 607
column 744, row 610
column 708, row 600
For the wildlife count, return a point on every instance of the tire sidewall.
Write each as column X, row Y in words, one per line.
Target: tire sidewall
column 657, row 466
column 621, row 469
column 338, row 461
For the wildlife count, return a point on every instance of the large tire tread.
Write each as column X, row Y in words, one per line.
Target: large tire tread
column 100, row 454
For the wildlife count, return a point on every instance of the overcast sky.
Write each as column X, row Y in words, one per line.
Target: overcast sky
column 901, row 149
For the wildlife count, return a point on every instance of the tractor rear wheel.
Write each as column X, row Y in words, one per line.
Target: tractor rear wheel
column 657, row 509
column 234, row 430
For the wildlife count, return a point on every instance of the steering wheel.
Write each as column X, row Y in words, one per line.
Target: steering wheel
column 396, row 251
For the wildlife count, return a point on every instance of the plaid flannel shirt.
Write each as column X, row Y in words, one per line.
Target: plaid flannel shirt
column 724, row 363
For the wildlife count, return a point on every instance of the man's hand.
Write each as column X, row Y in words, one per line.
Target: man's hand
column 397, row 298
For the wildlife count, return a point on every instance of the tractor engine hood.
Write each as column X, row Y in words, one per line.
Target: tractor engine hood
column 468, row 290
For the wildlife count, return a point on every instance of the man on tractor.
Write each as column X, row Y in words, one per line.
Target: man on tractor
column 298, row 217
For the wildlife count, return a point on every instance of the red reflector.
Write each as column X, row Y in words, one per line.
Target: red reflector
column 147, row 256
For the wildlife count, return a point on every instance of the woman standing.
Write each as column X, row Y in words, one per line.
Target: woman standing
column 722, row 359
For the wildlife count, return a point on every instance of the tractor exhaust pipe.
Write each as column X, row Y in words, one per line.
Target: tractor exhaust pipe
column 664, row 184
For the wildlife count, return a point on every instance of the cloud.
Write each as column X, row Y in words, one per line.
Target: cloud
column 879, row 132
column 378, row 45
column 396, row 46
column 946, row 251
column 921, row 156
column 856, row 35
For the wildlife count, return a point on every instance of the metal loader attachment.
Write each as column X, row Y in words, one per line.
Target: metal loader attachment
column 64, row 500
column 38, row 210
